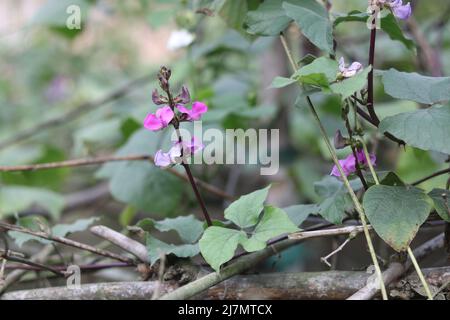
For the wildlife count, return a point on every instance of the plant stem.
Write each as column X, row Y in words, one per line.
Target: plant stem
column 370, row 100
column 197, row 194
column 410, row 253
column 372, row 170
column 420, row 274
column 353, row 196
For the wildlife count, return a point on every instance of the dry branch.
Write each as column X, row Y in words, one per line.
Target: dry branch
column 306, row 285
column 396, row 269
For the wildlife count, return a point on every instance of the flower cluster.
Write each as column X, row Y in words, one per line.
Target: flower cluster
column 350, row 71
column 400, row 10
column 173, row 112
column 349, row 163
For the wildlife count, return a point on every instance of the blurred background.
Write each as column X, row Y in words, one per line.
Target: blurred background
column 57, row 77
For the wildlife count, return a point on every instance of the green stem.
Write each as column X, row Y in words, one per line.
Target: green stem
column 420, row 274
column 353, row 196
column 372, row 170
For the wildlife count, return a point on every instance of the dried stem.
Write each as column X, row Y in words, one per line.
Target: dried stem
column 67, row 242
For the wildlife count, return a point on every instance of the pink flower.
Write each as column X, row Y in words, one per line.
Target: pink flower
column 349, row 164
column 348, row 72
column 159, row 120
column 198, row 108
column 179, row 152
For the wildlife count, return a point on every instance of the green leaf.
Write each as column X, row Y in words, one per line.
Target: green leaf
column 156, row 248
column 218, row 244
column 396, row 213
column 127, row 215
column 416, row 87
column 337, row 200
column 390, row 25
column 427, row 129
column 312, row 18
column 274, row 222
column 351, row 85
column 62, row 230
column 269, row 19
column 323, row 65
column 245, row 211
column 188, row 227
column 441, row 199
column 298, row 213
column 281, row 82
column 14, row 199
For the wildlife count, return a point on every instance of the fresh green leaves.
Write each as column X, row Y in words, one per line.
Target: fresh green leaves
column 396, row 213
column 268, row 20
column 188, row 228
column 14, row 199
column 218, row 244
column 416, row 87
column 273, row 16
column 298, row 213
column 441, row 199
column 323, row 73
column 351, row 85
column 312, row 18
column 427, row 129
column 245, row 211
column 320, row 72
column 336, row 200
column 388, row 24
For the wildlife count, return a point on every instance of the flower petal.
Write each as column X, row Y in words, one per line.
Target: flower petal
column 402, row 12
column 152, row 123
column 162, row 159
column 165, row 114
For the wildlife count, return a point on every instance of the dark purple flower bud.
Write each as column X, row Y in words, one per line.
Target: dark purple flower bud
column 339, row 141
column 165, row 72
column 157, row 99
column 163, row 82
column 184, row 97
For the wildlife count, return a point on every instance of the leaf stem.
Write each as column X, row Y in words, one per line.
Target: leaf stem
column 353, row 196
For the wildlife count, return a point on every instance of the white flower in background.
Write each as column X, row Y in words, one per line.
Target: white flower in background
column 179, row 39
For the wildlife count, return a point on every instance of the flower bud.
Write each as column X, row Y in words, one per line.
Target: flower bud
column 157, row 99
column 184, row 97
column 339, row 141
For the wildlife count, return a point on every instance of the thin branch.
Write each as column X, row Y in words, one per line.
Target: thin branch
column 338, row 249
column 431, row 176
column 122, row 241
column 104, row 159
column 84, row 267
column 301, row 235
column 67, row 242
column 16, row 275
column 76, row 112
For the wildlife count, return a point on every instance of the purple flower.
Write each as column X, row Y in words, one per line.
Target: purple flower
column 348, row 72
column 349, row 164
column 401, row 11
column 159, row 120
column 180, row 151
column 198, row 108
